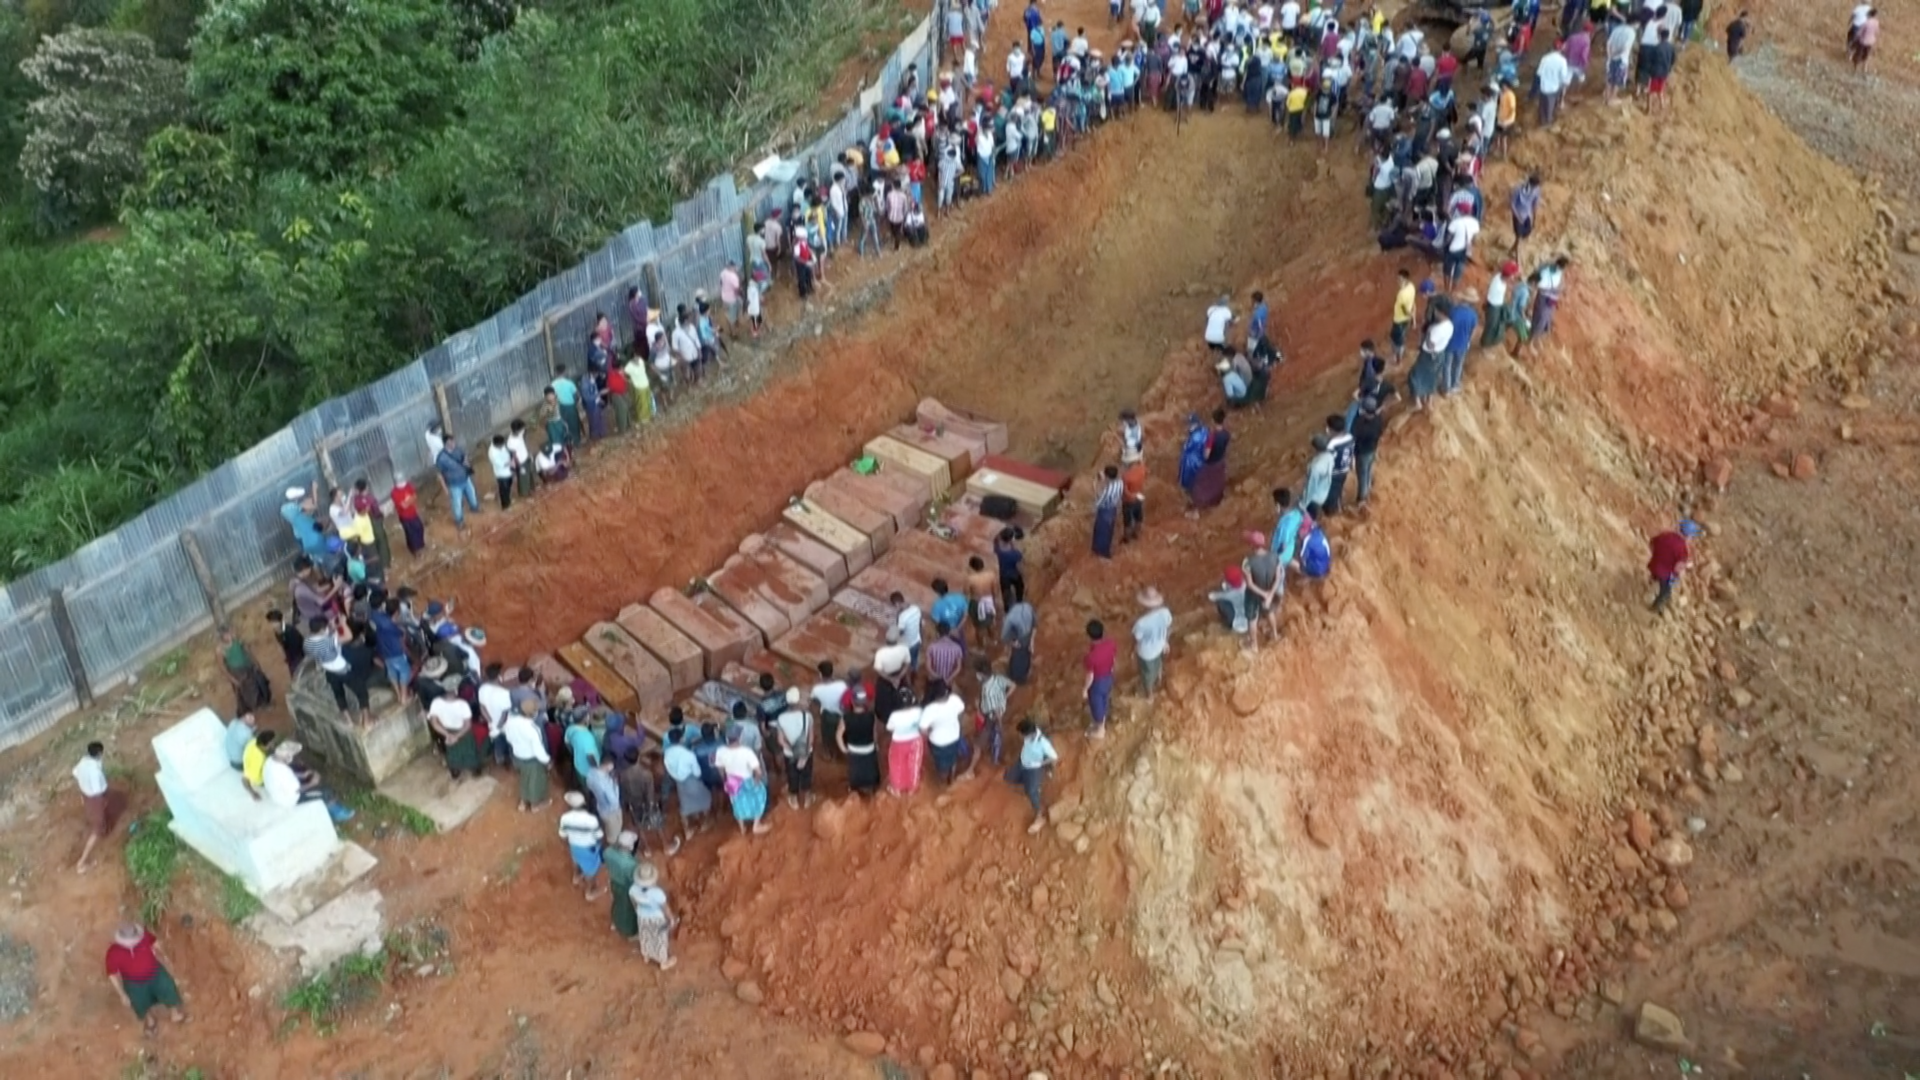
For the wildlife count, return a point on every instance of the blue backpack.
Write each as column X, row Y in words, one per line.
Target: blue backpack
column 1316, row 558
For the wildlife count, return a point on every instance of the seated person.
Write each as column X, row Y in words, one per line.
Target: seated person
column 253, row 761
column 916, row 226
column 289, row 784
column 1233, row 382
column 553, row 462
column 240, row 735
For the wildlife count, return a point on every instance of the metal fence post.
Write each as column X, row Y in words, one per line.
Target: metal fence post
column 656, row 293
column 546, row 332
column 204, row 575
column 70, row 646
column 440, row 405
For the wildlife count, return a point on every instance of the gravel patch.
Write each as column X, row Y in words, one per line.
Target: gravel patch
column 1863, row 121
column 17, row 985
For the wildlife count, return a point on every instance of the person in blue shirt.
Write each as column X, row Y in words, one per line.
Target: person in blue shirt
column 949, row 607
column 391, row 643
column 1008, row 556
column 298, row 514
column 1037, row 755
column 451, row 463
column 582, row 745
column 1466, row 320
column 566, row 393
column 1286, row 531
column 1257, row 325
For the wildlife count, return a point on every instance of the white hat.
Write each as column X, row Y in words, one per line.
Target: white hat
column 576, row 800
column 294, row 493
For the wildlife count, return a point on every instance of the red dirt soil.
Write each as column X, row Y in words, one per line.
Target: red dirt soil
column 1397, row 844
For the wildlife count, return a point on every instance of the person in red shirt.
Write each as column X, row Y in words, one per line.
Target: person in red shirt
column 134, row 968
column 1101, row 655
column 406, row 507
column 1667, row 558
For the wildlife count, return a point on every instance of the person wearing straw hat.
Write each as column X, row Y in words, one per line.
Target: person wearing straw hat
column 1668, row 557
column 621, row 868
column 653, row 917
column 1151, row 633
column 135, row 966
column 581, row 830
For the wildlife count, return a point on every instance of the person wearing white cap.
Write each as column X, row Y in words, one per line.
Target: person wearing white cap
column 795, row 729
column 581, row 830
column 297, row 512
column 652, row 915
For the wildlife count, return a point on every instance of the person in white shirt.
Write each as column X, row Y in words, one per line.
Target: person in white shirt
column 906, row 621
column 1619, row 52
column 826, row 695
column 1424, row 380
column 1290, row 17
column 1151, row 632
column 1016, row 67
column 794, row 727
column 90, row 775
column 903, row 755
column 940, row 719
column 451, row 720
column 500, row 459
column 746, row 781
column 529, row 749
column 1219, row 317
column 580, row 828
column 1459, row 239
column 496, row 704
column 1552, row 76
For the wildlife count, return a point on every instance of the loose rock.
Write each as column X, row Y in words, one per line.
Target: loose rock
column 869, row 1043
column 1659, row 1028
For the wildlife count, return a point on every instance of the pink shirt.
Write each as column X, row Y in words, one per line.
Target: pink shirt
column 729, row 285
column 1869, row 33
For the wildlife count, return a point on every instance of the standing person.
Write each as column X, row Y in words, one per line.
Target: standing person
column 940, row 720
column 566, row 396
column 406, row 508
column 1461, row 232
column 805, row 264
column 996, row 690
column 1210, row 483
column 1466, row 320
column 1546, row 298
column 1133, row 494
column 604, row 792
column 1551, row 77
column 1266, row 581
column 529, row 749
column 1620, row 42
column 580, row 828
column 1404, row 298
column 457, row 475
column 500, row 460
column 1657, row 60
column 1340, row 449
column 90, row 776
column 828, row 698
column 1106, row 511
column 1219, row 318
column 1667, row 559
column 1008, row 557
column 904, row 750
column 1368, row 427
column 745, row 780
column 906, row 621
column 1016, row 630
column 1319, row 481
column 1424, row 380
column 451, row 719
column 1524, row 202
column 251, row 689
column 365, row 505
column 1494, row 314
column 983, row 603
column 689, row 786
column 794, row 728
column 1737, row 32
column 1037, row 755
column 621, row 867
column 857, row 744
column 1102, row 653
column 1151, row 633
column 654, row 918
column 136, row 968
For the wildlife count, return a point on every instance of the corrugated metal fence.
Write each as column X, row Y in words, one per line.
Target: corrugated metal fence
column 82, row 626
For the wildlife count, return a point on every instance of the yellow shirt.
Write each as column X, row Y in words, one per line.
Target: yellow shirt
column 1047, row 119
column 1379, row 20
column 1508, row 109
column 1403, row 303
column 1297, row 100
column 253, row 763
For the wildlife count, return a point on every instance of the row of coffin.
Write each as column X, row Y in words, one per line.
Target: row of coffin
column 816, row 585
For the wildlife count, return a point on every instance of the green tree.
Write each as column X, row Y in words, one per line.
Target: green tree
column 325, row 87
column 102, row 93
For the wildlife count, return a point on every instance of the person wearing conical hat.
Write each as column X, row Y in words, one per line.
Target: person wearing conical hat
column 1151, row 632
column 653, row 917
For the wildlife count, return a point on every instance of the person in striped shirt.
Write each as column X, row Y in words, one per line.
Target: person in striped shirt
column 996, row 690
column 1106, row 511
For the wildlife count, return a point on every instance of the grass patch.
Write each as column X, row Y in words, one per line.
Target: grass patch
column 323, row 1001
column 237, row 905
column 381, row 814
column 153, row 858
